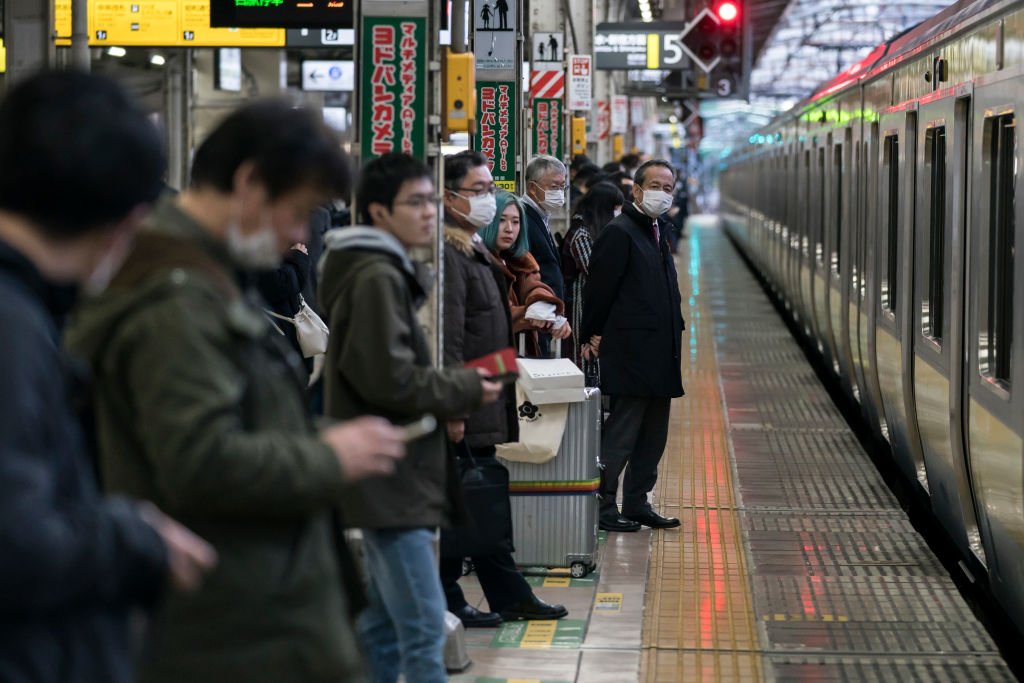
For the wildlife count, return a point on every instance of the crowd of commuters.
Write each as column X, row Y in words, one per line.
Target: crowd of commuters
column 153, row 353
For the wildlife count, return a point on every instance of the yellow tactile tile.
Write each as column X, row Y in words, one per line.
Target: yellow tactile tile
column 699, row 620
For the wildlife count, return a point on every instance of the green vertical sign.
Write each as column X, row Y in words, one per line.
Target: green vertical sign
column 496, row 110
column 393, row 86
column 547, row 127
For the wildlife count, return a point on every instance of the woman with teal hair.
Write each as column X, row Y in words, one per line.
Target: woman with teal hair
column 507, row 241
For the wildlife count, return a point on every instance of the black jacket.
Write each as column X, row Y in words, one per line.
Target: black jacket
column 71, row 563
column 544, row 249
column 477, row 321
column 632, row 301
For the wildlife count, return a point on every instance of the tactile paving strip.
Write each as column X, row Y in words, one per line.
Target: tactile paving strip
column 838, row 583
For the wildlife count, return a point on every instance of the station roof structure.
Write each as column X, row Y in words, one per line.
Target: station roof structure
column 800, row 44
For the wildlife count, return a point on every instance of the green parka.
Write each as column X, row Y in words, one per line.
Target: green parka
column 378, row 363
column 200, row 408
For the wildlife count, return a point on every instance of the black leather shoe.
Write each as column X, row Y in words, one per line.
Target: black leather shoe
column 617, row 523
column 471, row 617
column 653, row 519
column 533, row 609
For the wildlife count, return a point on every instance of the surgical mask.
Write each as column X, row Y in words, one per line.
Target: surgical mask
column 655, row 202
column 253, row 252
column 482, row 210
column 554, row 199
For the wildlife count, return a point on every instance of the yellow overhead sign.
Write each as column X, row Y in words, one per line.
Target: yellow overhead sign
column 159, row 23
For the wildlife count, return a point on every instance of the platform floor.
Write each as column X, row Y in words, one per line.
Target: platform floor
column 794, row 562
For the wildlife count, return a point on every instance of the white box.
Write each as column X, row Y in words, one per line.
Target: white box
column 551, row 380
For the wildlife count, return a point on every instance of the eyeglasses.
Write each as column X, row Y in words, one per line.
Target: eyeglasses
column 419, row 201
column 478, row 191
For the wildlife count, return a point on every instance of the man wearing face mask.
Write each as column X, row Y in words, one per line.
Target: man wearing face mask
column 632, row 319
column 73, row 564
column 201, row 408
column 545, row 192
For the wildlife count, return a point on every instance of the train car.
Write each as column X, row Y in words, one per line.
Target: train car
column 882, row 212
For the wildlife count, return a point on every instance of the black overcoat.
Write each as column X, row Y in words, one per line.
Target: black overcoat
column 632, row 301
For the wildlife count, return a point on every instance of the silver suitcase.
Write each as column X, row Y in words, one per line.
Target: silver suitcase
column 554, row 505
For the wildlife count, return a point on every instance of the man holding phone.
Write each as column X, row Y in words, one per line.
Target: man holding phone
column 378, row 363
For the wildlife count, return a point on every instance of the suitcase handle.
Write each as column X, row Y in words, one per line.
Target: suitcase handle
column 557, row 343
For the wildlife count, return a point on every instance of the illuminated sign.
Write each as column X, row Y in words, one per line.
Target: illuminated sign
column 640, row 45
column 335, row 14
column 393, row 84
column 159, row 23
column 496, row 132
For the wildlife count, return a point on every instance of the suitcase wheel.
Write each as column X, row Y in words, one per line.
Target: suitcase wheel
column 578, row 570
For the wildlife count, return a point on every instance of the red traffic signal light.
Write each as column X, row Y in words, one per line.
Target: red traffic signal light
column 727, row 11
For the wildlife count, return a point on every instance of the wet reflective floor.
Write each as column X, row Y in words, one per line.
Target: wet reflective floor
column 794, row 562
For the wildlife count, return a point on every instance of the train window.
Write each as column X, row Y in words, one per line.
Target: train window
column 837, row 157
column 1001, row 163
column 933, row 306
column 891, row 164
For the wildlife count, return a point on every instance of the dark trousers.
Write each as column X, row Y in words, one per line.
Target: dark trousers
column 633, row 440
column 503, row 584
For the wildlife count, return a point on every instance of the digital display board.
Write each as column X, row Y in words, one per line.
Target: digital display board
column 283, row 13
column 159, row 23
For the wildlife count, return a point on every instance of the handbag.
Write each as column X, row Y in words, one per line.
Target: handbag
column 487, row 528
column 310, row 330
column 591, row 372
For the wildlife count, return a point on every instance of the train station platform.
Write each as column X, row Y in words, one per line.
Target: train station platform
column 794, row 562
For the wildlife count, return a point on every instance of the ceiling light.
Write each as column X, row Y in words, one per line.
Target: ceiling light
column 116, row 51
column 157, row 60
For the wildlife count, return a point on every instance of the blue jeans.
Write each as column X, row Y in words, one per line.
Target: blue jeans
column 403, row 628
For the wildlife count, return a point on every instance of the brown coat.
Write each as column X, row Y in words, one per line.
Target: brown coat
column 525, row 288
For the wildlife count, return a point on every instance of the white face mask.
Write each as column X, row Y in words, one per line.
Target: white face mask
column 253, row 252
column 554, row 199
column 482, row 210
column 655, row 202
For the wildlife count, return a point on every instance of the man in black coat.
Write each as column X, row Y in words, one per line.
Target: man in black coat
column 72, row 564
column 632, row 317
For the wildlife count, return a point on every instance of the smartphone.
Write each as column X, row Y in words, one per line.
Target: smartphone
column 420, row 428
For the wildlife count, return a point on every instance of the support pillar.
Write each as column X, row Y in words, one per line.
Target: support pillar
column 28, row 37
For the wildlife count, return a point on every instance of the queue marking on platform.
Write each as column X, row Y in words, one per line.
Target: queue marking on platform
column 557, row 582
column 540, row 635
column 608, row 602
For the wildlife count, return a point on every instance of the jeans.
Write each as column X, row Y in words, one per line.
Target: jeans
column 403, row 627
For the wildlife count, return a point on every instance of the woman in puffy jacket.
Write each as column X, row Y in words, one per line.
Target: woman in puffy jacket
column 534, row 307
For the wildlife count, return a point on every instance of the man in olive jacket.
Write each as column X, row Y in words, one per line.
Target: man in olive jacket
column 200, row 408
column 381, row 365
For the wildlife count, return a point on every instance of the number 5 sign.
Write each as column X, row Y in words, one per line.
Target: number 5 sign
column 580, row 86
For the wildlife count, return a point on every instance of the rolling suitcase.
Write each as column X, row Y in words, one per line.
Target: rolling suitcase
column 554, row 505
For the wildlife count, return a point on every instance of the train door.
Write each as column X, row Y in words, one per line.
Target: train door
column 806, row 212
column 855, row 277
column 995, row 372
column 840, row 259
column 893, row 329
column 875, row 187
column 941, row 196
column 819, row 262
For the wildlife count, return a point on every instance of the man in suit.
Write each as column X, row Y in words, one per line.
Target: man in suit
column 632, row 317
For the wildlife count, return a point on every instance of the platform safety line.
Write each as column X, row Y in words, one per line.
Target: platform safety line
column 698, row 479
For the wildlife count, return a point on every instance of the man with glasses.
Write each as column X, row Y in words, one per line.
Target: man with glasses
column 632, row 317
column 378, row 363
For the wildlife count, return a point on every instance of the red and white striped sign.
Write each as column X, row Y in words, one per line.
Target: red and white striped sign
column 547, row 84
